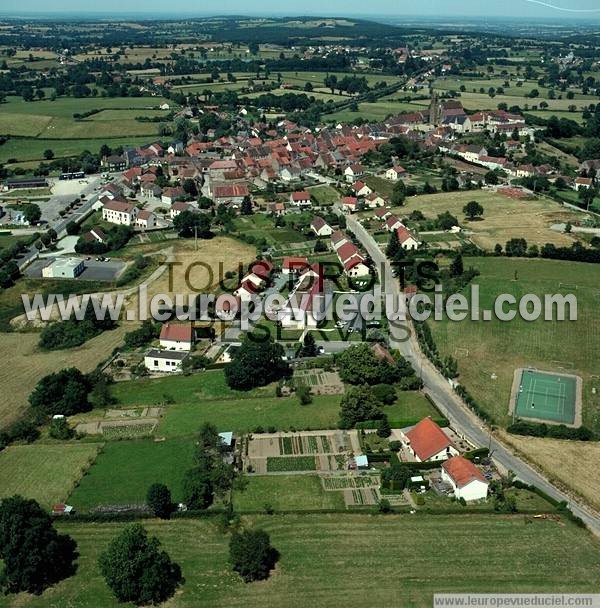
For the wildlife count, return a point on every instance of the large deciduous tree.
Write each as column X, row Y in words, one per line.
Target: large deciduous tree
column 252, row 555
column 35, row 556
column 137, row 570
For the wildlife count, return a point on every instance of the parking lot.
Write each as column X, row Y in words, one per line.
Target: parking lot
column 94, row 270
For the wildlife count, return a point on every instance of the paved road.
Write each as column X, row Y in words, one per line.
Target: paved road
column 461, row 418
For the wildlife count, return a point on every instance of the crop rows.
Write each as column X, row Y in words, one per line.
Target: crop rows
column 293, row 463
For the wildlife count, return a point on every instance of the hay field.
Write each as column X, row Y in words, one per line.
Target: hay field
column 503, row 218
column 22, row 365
column 349, row 560
column 572, row 463
column 46, row 473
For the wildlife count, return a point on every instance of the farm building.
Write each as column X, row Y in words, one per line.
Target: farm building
column 465, row 478
column 164, row 361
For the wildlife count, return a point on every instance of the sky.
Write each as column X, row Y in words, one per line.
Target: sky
column 525, row 9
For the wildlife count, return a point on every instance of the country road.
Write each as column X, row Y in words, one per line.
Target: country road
column 461, row 418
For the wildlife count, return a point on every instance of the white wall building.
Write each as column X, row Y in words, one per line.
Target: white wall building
column 465, row 478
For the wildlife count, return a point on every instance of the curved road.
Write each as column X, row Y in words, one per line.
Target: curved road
column 461, row 418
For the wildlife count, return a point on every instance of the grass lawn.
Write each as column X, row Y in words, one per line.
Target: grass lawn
column 262, row 226
column 324, row 195
column 44, row 472
column 495, row 347
column 124, row 470
column 377, row 110
column 324, row 554
column 206, row 397
column 286, row 492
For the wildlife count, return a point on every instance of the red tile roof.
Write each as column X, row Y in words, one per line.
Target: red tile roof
column 301, row 196
column 462, row 471
column 427, row 439
column 176, row 333
column 295, row 263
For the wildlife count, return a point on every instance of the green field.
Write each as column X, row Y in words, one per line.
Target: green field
column 50, row 124
column 263, row 226
column 206, row 397
column 44, row 472
column 324, row 195
column 377, row 110
column 276, row 464
column 286, row 492
column 494, row 347
column 124, row 471
column 350, row 560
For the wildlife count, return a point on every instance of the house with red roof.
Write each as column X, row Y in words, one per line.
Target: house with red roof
column 361, row 189
column 320, row 227
column 392, row 223
column 353, row 172
column 382, row 214
column 374, row 200
column 406, row 239
column 395, row 173
column 177, row 336
column 300, row 199
column 338, row 238
column 349, row 203
column 427, row 442
column 294, row 265
column 119, row 212
column 467, row 481
column 230, row 194
column 352, row 260
column 145, row 220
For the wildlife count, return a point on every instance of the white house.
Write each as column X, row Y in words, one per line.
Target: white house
column 427, row 442
column 119, row 212
column 465, row 478
column 349, row 203
column 406, row 239
column 300, row 199
column 361, row 189
column 178, row 337
column 294, row 265
column 373, row 200
column 145, row 219
column 395, row 173
column 320, row 227
column 583, row 183
column 352, row 260
column 392, row 223
column 164, row 360
column 352, row 172
column 338, row 238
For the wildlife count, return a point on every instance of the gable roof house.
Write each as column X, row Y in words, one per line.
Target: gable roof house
column 465, row 478
column 406, row 239
column 361, row 189
column 119, row 212
column 392, row 223
column 320, row 227
column 145, row 219
column 427, row 442
column 177, row 336
column 338, row 238
column 300, row 199
column 230, row 194
column 353, row 171
column 352, row 260
column 395, row 173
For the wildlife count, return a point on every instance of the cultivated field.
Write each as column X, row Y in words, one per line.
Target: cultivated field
column 50, row 124
column 47, row 473
column 323, row 554
column 503, row 218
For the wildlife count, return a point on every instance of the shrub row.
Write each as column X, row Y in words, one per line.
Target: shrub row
column 555, row 431
column 464, row 394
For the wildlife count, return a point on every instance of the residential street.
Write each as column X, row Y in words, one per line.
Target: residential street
column 461, row 418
